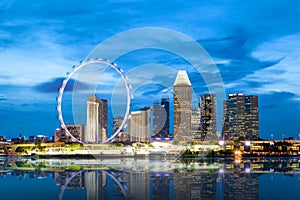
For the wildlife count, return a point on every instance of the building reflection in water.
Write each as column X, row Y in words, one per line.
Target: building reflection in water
column 95, row 184
column 161, row 185
column 217, row 179
column 238, row 186
column 139, row 186
column 166, row 185
column 77, row 183
column 195, row 185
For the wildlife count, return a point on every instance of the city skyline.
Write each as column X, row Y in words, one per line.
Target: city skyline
column 240, row 119
column 239, row 122
column 255, row 52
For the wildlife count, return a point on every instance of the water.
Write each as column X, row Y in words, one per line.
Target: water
column 160, row 179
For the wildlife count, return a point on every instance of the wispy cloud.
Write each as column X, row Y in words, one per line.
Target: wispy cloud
column 55, row 84
column 282, row 76
column 3, row 98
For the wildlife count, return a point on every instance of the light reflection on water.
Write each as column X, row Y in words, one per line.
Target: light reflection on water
column 129, row 178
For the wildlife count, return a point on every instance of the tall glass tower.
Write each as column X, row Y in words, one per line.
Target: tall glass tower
column 251, row 124
column 161, row 117
column 96, row 123
column 165, row 104
column 182, row 107
column 208, row 117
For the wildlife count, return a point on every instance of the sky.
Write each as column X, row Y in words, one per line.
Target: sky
column 255, row 46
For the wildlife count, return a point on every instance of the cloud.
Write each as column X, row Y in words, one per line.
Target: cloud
column 4, row 76
column 282, row 75
column 55, row 84
column 3, row 98
column 5, row 40
column 148, row 91
column 17, row 96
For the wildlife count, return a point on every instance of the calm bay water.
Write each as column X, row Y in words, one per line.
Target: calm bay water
column 158, row 178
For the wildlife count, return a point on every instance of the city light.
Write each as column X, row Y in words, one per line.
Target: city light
column 247, row 143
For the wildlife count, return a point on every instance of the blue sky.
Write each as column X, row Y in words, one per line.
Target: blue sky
column 255, row 45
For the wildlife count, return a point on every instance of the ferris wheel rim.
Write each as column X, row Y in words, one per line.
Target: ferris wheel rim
column 65, row 81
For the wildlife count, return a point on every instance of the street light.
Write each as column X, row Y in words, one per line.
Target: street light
column 247, row 143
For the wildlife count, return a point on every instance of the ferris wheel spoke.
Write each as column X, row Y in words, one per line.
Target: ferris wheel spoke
column 64, row 84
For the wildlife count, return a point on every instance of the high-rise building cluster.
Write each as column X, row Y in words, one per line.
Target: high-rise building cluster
column 95, row 130
column 240, row 119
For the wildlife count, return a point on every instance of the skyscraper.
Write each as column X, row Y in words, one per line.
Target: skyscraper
column 165, row 104
column 96, row 123
column 240, row 119
column 157, row 117
column 225, row 121
column 251, row 109
column 139, row 125
column 161, row 117
column 208, row 117
column 182, row 107
column 236, row 116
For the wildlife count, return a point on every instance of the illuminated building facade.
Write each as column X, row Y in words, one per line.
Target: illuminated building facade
column 225, row 121
column 251, row 109
column 182, row 107
column 96, row 123
column 208, row 117
column 240, row 120
column 76, row 130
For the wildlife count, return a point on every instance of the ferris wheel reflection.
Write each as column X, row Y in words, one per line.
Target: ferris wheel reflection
column 95, row 183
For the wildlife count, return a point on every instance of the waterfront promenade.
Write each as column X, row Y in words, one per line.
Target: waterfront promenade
column 203, row 148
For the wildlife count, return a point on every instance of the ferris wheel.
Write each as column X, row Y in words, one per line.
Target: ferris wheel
column 64, row 84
